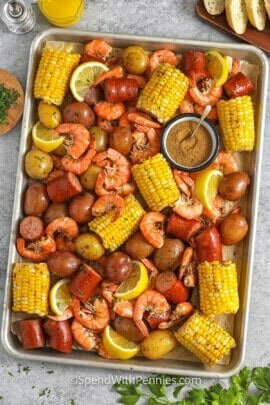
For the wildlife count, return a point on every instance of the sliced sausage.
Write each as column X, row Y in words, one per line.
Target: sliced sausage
column 31, row 333
column 31, row 228
column 238, row 85
column 64, row 187
column 208, row 245
column 85, row 282
column 120, row 89
column 60, row 335
column 183, row 228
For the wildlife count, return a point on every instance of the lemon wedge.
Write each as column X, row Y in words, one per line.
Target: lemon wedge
column 117, row 346
column 206, row 187
column 46, row 139
column 135, row 284
column 60, row 297
column 217, row 66
column 84, row 76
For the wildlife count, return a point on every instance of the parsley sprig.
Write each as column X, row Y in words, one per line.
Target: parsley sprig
column 8, row 98
column 249, row 387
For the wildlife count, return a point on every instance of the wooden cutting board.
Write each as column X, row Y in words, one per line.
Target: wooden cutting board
column 14, row 113
column 252, row 35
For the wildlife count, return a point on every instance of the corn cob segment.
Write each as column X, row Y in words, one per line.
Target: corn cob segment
column 53, row 75
column 156, row 182
column 31, row 283
column 164, row 92
column 218, row 288
column 236, row 120
column 205, row 338
column 114, row 234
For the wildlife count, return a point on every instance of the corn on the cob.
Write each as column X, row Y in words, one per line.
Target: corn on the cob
column 31, row 283
column 236, row 120
column 205, row 338
column 53, row 75
column 156, row 182
column 218, row 288
column 164, row 92
column 114, row 234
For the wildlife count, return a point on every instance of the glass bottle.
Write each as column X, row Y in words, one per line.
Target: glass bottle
column 18, row 15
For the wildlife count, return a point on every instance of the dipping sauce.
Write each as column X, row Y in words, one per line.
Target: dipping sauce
column 189, row 152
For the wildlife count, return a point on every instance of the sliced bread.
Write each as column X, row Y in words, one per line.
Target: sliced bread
column 236, row 14
column 256, row 13
column 267, row 7
column 214, row 7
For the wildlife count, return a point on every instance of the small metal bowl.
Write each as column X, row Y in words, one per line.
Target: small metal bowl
column 208, row 125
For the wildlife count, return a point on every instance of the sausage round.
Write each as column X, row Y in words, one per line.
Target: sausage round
column 31, row 228
column 60, row 335
column 31, row 333
column 120, row 89
column 64, row 187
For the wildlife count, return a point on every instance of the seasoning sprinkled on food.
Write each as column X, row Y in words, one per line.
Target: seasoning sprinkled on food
column 185, row 150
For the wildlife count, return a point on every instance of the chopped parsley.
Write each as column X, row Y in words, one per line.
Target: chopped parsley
column 8, row 98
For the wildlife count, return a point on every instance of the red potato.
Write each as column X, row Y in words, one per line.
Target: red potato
column 54, row 211
column 31, row 228
column 80, row 208
column 93, row 95
column 79, row 113
column 182, row 228
column 60, row 336
column 208, row 245
column 172, row 288
column 31, row 333
column 36, row 199
column 84, row 283
column 120, row 89
column 63, row 263
column 238, row 85
column 64, row 188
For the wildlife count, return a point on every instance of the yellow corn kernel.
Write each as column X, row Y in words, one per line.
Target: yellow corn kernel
column 164, row 92
column 205, row 338
column 114, row 234
column 236, row 120
column 156, row 183
column 53, row 75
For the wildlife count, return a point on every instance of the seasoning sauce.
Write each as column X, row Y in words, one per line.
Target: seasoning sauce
column 188, row 152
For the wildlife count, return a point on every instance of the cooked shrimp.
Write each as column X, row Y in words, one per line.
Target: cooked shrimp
column 187, row 270
column 109, row 111
column 102, row 351
column 162, row 56
column 117, row 169
column 139, row 79
column 208, row 95
column 144, row 145
column 126, row 189
column 57, row 162
column 115, row 72
column 187, row 105
column 108, row 289
column 67, row 314
column 124, row 308
column 123, row 120
column 36, row 251
column 98, row 48
column 184, row 182
column 181, row 311
column 106, row 125
column 153, row 270
column 84, row 336
column 79, row 139
column 155, row 304
column 93, row 314
column 213, row 115
column 225, row 162
column 143, row 119
column 188, row 208
column 152, row 228
column 107, row 203
column 64, row 243
column 78, row 166
column 63, row 226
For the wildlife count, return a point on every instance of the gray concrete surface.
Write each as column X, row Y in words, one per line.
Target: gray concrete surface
column 27, row 383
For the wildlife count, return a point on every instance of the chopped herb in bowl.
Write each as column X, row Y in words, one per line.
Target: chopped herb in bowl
column 8, row 98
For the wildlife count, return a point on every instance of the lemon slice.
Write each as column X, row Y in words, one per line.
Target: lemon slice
column 217, row 66
column 84, row 76
column 135, row 284
column 60, row 297
column 117, row 346
column 46, row 139
column 206, row 187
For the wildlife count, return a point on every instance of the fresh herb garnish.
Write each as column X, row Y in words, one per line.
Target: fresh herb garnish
column 249, row 387
column 8, row 98
column 49, row 371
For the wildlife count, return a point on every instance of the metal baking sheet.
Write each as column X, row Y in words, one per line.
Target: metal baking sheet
column 252, row 163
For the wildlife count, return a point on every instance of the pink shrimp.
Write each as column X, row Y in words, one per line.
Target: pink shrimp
column 107, row 203
column 225, row 162
column 155, row 304
column 184, row 182
column 144, row 145
column 143, row 119
column 208, row 94
column 188, row 208
column 94, row 314
column 153, row 270
column 36, row 251
column 98, row 48
column 109, row 111
column 152, row 228
column 187, row 105
column 67, row 314
column 108, row 289
column 162, row 56
column 78, row 166
column 124, row 308
column 63, row 226
column 181, row 311
column 213, row 115
column 187, row 270
column 79, row 138
column 86, row 338
column 115, row 72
